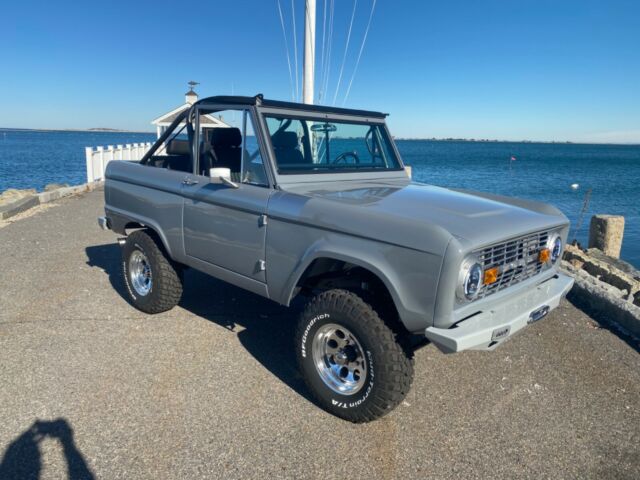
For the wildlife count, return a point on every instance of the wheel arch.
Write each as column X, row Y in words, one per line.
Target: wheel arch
column 322, row 262
column 121, row 223
column 324, row 259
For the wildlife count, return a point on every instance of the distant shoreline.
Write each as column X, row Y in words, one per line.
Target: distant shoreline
column 404, row 139
column 84, row 130
column 537, row 142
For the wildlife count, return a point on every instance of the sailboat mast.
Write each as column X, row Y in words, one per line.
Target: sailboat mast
column 309, row 51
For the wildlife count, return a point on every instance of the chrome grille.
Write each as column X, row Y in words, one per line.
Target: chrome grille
column 516, row 259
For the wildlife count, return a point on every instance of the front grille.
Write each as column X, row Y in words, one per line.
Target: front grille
column 516, row 259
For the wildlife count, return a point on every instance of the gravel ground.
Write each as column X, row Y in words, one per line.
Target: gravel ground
column 90, row 387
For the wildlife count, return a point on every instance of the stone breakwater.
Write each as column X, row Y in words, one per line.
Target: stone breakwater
column 13, row 202
column 605, row 285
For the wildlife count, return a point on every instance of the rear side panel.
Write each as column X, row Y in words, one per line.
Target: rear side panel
column 147, row 195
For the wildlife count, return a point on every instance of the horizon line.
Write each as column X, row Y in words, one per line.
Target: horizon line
column 395, row 137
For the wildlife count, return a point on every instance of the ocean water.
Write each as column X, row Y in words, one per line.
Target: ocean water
column 33, row 159
column 540, row 171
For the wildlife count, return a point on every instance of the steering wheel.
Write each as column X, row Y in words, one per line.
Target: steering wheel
column 342, row 158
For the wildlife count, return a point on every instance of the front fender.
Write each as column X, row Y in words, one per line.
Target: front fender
column 411, row 276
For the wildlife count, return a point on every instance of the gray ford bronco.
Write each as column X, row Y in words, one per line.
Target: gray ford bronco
column 286, row 200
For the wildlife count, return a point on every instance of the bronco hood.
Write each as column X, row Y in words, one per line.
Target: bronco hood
column 393, row 212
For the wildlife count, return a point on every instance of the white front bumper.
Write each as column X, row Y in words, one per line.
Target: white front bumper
column 487, row 329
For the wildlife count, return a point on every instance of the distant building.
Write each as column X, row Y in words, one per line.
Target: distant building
column 191, row 97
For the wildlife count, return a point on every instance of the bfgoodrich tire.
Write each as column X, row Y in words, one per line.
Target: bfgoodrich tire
column 154, row 282
column 350, row 358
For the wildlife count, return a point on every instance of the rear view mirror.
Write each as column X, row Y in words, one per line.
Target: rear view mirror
column 323, row 127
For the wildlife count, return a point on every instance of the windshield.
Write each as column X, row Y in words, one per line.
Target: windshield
column 303, row 146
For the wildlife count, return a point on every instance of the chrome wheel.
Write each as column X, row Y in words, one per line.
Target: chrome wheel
column 140, row 273
column 339, row 359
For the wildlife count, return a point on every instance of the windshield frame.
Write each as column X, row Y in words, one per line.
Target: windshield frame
column 328, row 174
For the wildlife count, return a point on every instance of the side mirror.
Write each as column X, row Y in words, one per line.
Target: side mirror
column 221, row 175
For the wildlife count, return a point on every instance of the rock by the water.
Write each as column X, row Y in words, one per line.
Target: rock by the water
column 55, row 186
column 13, row 194
column 606, row 233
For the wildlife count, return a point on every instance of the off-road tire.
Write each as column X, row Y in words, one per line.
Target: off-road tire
column 390, row 370
column 166, row 276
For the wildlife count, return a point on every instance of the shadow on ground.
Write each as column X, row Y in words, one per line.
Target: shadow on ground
column 23, row 459
column 264, row 328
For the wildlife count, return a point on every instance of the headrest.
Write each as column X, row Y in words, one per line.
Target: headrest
column 228, row 137
column 178, row 147
column 285, row 139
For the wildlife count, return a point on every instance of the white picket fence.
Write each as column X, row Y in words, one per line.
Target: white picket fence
column 98, row 158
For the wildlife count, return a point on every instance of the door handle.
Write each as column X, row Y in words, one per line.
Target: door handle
column 189, row 181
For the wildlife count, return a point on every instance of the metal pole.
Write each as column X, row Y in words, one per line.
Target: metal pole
column 309, row 51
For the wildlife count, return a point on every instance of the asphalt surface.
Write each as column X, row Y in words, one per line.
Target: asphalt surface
column 90, row 387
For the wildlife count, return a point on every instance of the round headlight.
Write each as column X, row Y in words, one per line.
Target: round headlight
column 556, row 248
column 472, row 281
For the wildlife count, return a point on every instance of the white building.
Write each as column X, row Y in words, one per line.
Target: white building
column 191, row 97
column 98, row 157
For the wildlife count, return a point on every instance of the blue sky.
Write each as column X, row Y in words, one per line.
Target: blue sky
column 517, row 69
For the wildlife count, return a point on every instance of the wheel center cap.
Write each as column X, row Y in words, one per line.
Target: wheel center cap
column 341, row 357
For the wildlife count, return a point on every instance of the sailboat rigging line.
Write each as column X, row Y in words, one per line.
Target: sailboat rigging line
column 329, row 49
column 324, row 83
column 346, row 48
column 364, row 39
column 286, row 47
column 324, row 32
column 295, row 47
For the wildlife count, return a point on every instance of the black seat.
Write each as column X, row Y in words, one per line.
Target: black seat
column 226, row 151
column 285, row 146
column 178, row 147
column 178, row 155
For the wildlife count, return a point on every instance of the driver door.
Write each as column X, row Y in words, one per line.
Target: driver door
column 222, row 225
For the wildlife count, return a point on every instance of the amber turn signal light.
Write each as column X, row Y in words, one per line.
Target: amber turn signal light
column 545, row 255
column 490, row 275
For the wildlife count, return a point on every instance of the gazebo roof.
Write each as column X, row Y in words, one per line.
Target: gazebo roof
column 206, row 120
